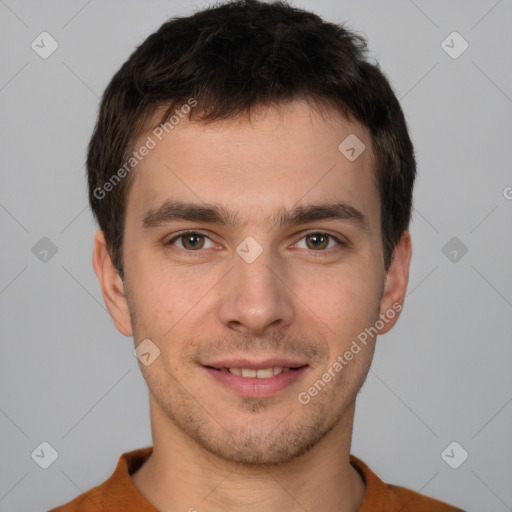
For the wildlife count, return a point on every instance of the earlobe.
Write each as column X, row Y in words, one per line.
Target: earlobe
column 395, row 286
column 112, row 286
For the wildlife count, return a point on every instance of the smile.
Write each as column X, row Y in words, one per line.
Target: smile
column 256, row 380
column 261, row 373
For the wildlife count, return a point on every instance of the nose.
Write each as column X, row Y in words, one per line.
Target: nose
column 256, row 296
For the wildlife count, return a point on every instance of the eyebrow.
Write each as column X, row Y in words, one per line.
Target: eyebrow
column 217, row 214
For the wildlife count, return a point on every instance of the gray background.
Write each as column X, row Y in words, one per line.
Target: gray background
column 442, row 375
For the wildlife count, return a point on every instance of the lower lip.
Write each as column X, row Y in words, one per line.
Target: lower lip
column 254, row 387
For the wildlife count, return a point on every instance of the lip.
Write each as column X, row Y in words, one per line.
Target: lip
column 256, row 365
column 252, row 386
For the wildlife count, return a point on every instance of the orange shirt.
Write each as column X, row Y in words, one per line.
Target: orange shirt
column 118, row 494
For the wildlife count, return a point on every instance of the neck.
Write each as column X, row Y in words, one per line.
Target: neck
column 180, row 475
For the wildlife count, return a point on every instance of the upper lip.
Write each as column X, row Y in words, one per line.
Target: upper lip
column 274, row 362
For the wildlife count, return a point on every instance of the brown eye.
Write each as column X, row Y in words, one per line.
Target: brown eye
column 317, row 241
column 191, row 241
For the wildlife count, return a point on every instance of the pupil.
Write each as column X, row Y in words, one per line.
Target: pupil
column 319, row 240
column 190, row 239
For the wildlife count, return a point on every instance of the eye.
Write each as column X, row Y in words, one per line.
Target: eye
column 319, row 242
column 192, row 241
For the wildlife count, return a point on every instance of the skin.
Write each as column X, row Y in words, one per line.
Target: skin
column 214, row 449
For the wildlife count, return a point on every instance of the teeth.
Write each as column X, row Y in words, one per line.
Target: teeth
column 261, row 373
column 264, row 373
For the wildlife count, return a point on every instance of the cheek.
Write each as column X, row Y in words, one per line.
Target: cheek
column 344, row 295
column 344, row 308
column 153, row 303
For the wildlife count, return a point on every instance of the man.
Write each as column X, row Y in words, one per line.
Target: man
column 252, row 175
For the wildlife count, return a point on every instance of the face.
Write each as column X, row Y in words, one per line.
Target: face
column 255, row 300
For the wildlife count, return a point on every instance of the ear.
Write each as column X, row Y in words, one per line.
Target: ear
column 112, row 286
column 395, row 286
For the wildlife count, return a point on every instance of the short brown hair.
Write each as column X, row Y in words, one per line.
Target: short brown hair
column 231, row 58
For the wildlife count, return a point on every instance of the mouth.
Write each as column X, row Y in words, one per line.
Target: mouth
column 256, row 379
column 255, row 373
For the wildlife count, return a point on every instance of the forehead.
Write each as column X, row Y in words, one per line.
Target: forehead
column 277, row 159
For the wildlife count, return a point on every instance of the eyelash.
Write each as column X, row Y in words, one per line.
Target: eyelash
column 324, row 252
